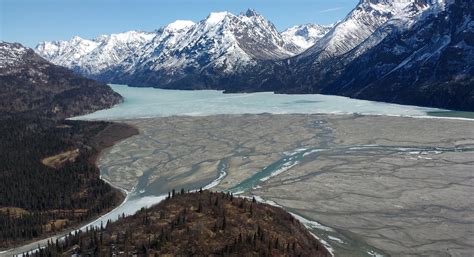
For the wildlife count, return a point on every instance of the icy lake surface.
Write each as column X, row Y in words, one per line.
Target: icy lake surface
column 152, row 102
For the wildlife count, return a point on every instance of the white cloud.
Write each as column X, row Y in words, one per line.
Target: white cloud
column 331, row 9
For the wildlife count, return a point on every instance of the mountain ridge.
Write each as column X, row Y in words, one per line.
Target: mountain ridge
column 222, row 42
column 228, row 52
column 29, row 83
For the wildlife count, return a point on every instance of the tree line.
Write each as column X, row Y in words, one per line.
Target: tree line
column 32, row 195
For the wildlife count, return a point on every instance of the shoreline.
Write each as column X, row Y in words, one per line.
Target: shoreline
column 183, row 141
column 427, row 116
column 124, row 194
column 206, row 119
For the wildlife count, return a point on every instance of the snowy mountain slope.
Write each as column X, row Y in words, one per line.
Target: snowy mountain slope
column 430, row 64
column 91, row 57
column 305, row 36
column 363, row 28
column 361, row 23
column 12, row 55
column 29, row 83
column 159, row 49
column 227, row 40
column 246, row 53
column 221, row 43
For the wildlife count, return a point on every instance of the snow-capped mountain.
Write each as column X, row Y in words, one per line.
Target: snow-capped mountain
column 363, row 28
column 223, row 43
column 30, row 83
column 305, row 35
column 11, row 55
column 368, row 17
column 410, row 52
column 91, row 57
column 354, row 57
column 430, row 64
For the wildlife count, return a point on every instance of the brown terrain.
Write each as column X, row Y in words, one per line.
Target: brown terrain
column 202, row 223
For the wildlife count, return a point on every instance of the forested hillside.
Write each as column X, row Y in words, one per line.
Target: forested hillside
column 42, row 191
column 48, row 177
column 196, row 224
column 30, row 84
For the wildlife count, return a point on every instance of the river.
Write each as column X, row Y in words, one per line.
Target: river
column 153, row 103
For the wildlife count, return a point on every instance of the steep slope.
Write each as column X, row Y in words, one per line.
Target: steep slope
column 310, row 71
column 368, row 24
column 313, row 70
column 361, row 23
column 48, row 178
column 431, row 64
column 221, row 44
column 305, row 36
column 30, row 83
column 93, row 57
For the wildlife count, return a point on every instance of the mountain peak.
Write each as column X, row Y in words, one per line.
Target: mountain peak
column 306, row 35
column 251, row 12
column 11, row 53
column 76, row 39
column 179, row 25
column 216, row 17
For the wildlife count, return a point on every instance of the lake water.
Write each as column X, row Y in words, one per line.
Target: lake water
column 152, row 102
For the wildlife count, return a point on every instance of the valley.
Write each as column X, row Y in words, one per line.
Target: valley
column 230, row 135
column 379, row 48
column 329, row 168
column 364, row 184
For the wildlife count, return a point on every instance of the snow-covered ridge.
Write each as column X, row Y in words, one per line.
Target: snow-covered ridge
column 179, row 25
column 222, row 41
column 305, row 35
column 238, row 51
column 362, row 23
column 94, row 56
column 11, row 54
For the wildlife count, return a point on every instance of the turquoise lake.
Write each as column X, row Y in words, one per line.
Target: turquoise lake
column 152, row 102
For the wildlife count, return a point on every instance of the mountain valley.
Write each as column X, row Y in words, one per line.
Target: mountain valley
column 362, row 56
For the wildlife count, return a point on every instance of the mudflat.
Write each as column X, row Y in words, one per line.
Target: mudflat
column 401, row 185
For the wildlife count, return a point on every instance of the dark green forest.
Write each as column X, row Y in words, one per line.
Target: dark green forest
column 37, row 200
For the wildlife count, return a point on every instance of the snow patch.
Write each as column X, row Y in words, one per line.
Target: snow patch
column 180, row 25
column 216, row 17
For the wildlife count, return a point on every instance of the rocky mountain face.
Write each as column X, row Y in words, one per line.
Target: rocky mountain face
column 365, row 27
column 420, row 54
column 402, row 51
column 368, row 17
column 305, row 36
column 312, row 70
column 29, row 83
column 93, row 57
column 218, row 46
column 430, row 64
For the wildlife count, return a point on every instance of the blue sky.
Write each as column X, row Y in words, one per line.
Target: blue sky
column 32, row 21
